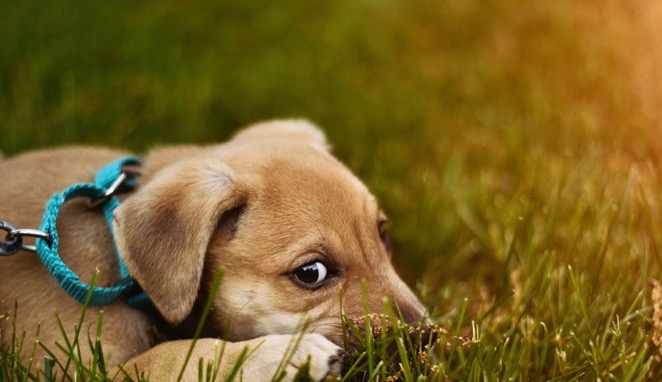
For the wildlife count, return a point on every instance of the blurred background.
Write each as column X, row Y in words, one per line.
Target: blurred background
column 451, row 111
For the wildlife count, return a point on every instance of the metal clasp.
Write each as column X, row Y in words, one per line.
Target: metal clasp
column 14, row 239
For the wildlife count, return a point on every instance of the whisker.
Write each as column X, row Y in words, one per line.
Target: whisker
column 234, row 318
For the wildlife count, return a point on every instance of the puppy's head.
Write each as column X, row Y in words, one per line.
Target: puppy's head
column 289, row 223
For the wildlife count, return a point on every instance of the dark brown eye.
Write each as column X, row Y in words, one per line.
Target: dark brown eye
column 311, row 274
column 381, row 228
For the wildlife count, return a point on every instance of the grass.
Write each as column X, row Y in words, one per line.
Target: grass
column 513, row 144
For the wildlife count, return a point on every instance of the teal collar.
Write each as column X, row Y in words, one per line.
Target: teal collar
column 109, row 180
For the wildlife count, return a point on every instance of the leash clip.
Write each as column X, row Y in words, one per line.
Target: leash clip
column 14, row 239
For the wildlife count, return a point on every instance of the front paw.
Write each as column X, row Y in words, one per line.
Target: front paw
column 324, row 356
column 288, row 353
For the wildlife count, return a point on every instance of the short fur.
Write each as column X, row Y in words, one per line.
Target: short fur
column 261, row 206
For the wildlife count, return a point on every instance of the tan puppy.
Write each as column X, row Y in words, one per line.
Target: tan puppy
column 289, row 223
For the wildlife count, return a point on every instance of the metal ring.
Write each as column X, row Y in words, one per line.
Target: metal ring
column 30, row 233
column 26, row 232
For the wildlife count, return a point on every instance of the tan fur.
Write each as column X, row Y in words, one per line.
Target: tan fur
column 294, row 202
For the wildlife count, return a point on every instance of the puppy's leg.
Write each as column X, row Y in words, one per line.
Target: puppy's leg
column 261, row 357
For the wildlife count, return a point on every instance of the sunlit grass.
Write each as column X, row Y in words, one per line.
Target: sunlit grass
column 514, row 146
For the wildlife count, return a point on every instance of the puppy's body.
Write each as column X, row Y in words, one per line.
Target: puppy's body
column 272, row 207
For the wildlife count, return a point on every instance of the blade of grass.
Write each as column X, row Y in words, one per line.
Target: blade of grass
column 203, row 319
column 582, row 304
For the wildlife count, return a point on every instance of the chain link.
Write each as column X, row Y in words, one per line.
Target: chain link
column 14, row 239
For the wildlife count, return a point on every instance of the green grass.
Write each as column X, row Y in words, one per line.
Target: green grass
column 513, row 144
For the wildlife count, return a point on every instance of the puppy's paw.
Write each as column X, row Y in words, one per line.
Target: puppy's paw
column 324, row 357
column 277, row 353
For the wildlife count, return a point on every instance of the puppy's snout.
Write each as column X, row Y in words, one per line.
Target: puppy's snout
column 405, row 301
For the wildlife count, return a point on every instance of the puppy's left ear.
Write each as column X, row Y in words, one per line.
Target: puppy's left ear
column 163, row 230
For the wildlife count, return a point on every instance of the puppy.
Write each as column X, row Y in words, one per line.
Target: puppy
column 289, row 224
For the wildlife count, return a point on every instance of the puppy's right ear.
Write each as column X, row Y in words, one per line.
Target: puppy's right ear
column 163, row 230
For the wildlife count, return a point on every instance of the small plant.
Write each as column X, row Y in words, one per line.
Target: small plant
column 383, row 347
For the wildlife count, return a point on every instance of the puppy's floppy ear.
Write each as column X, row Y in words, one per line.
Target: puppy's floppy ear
column 291, row 129
column 163, row 230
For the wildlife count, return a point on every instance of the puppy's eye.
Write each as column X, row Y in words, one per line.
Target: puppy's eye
column 381, row 228
column 312, row 274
